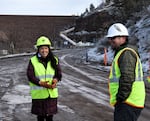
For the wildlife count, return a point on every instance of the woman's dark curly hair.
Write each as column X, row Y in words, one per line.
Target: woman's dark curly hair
column 53, row 60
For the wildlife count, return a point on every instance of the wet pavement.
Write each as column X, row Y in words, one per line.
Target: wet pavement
column 83, row 91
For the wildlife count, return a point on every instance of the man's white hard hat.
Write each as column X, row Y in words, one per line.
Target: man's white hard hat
column 117, row 29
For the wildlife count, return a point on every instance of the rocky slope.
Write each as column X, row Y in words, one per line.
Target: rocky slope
column 96, row 22
column 135, row 14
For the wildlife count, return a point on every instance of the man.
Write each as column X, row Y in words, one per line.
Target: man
column 126, row 85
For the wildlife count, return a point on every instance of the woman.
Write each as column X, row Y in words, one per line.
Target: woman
column 43, row 73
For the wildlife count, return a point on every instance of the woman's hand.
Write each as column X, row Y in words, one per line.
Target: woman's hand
column 45, row 84
column 54, row 83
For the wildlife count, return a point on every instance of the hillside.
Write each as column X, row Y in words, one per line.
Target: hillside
column 96, row 22
column 135, row 14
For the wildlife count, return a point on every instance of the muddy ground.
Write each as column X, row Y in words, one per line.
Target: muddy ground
column 83, row 91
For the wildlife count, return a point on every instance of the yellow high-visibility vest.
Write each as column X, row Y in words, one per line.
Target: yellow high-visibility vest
column 38, row 92
column 137, row 95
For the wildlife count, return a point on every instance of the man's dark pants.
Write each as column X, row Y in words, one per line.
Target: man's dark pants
column 124, row 112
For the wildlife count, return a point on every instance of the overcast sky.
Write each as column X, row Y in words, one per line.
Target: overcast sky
column 45, row 7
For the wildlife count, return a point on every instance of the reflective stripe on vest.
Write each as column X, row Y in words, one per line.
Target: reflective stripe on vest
column 43, row 76
column 38, row 92
column 137, row 95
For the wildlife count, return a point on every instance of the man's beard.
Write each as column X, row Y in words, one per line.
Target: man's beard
column 113, row 48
